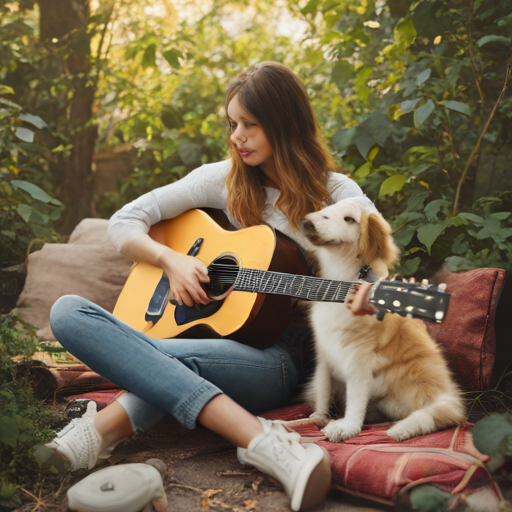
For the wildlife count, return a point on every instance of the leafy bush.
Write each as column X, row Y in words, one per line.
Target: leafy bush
column 424, row 123
column 24, row 421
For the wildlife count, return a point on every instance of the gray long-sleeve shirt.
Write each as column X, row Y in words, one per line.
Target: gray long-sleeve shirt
column 205, row 187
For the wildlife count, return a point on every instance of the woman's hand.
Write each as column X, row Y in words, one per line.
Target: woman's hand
column 360, row 302
column 186, row 275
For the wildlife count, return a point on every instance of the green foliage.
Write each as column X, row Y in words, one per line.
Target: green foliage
column 24, row 421
column 427, row 498
column 27, row 212
column 493, row 436
column 421, row 80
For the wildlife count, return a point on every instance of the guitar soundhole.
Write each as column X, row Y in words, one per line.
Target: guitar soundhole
column 222, row 271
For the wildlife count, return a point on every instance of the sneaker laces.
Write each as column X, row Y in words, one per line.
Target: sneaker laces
column 286, row 444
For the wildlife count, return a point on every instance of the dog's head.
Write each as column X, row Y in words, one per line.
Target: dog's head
column 355, row 222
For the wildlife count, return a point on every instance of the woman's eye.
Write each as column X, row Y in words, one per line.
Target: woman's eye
column 232, row 127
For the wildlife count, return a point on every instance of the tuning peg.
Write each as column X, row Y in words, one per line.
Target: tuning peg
column 442, row 287
column 424, row 283
column 412, row 280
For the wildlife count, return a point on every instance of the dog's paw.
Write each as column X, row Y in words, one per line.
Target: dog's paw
column 320, row 419
column 341, row 430
column 399, row 433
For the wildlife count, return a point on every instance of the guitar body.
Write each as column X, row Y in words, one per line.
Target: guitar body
column 257, row 320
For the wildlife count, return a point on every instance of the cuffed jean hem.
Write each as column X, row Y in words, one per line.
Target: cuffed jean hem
column 188, row 410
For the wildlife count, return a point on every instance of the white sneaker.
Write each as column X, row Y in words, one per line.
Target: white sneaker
column 78, row 442
column 304, row 470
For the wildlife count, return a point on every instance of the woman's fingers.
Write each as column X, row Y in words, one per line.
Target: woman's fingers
column 360, row 303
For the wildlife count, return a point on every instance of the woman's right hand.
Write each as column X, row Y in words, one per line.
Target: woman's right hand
column 186, row 274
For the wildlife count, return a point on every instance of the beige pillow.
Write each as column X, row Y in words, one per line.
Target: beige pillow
column 88, row 266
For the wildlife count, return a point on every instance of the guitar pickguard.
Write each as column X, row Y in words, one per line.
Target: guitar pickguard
column 184, row 314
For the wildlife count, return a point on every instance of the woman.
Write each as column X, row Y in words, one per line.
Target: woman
column 278, row 172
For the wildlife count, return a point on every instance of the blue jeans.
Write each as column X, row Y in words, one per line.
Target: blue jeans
column 176, row 376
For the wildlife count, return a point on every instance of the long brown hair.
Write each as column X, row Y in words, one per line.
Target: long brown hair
column 277, row 98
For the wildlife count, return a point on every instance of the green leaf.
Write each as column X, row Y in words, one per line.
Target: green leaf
column 24, row 134
column 31, row 147
column 429, row 233
column 25, row 211
column 5, row 89
column 455, row 263
column 363, row 143
column 343, row 138
column 33, row 190
column 475, row 219
column 405, row 32
column 505, row 41
column 409, row 267
column 149, row 56
column 505, row 233
column 33, row 120
column 409, row 105
column 392, row 184
column 457, row 106
column 363, row 171
column 171, row 56
column 9, row 431
column 310, row 8
column 501, row 215
column 404, row 236
column 423, row 77
column 422, row 113
column 10, row 104
column 490, row 227
column 373, row 153
column 427, row 498
column 432, row 208
column 342, row 72
column 491, row 436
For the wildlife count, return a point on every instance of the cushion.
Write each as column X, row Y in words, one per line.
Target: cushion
column 467, row 334
column 88, row 266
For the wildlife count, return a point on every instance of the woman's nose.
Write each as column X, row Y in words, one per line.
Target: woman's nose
column 238, row 135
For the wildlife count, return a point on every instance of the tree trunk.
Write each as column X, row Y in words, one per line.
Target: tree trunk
column 67, row 21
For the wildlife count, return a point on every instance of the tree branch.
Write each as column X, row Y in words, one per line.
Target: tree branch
column 477, row 146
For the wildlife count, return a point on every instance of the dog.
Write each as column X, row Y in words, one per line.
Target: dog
column 392, row 367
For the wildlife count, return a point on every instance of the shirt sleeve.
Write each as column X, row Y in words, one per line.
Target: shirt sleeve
column 342, row 187
column 203, row 187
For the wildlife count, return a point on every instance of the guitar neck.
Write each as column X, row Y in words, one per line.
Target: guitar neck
column 302, row 287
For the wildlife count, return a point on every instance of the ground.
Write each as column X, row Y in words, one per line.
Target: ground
column 203, row 474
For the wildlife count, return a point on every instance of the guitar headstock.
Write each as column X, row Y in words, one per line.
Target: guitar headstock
column 423, row 300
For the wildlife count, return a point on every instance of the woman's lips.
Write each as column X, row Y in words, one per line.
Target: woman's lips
column 245, row 153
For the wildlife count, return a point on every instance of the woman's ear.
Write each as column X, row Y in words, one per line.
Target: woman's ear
column 376, row 240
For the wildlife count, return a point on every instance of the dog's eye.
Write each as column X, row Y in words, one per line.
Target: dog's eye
column 349, row 219
column 325, row 217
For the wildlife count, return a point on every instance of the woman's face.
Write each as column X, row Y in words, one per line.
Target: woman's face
column 248, row 135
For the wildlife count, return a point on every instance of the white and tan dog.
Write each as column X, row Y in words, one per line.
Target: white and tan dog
column 393, row 365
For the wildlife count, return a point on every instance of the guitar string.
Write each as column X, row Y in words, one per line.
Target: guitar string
column 254, row 280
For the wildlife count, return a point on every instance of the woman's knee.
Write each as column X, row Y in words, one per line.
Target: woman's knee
column 62, row 313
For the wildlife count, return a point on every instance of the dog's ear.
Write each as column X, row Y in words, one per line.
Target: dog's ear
column 376, row 240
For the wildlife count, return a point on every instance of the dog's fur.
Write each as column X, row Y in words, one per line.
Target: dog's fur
column 393, row 365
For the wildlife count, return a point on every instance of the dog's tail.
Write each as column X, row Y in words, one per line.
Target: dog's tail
column 445, row 411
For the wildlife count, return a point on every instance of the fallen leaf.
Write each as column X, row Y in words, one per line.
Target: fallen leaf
column 257, row 483
column 205, row 497
column 250, row 504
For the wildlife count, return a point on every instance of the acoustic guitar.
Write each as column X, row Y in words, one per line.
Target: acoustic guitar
column 269, row 274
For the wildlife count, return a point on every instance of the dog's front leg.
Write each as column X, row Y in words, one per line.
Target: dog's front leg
column 321, row 392
column 358, row 395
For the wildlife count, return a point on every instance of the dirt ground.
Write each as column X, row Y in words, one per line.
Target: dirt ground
column 203, row 474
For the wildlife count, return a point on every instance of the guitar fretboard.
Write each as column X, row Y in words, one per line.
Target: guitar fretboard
column 303, row 287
